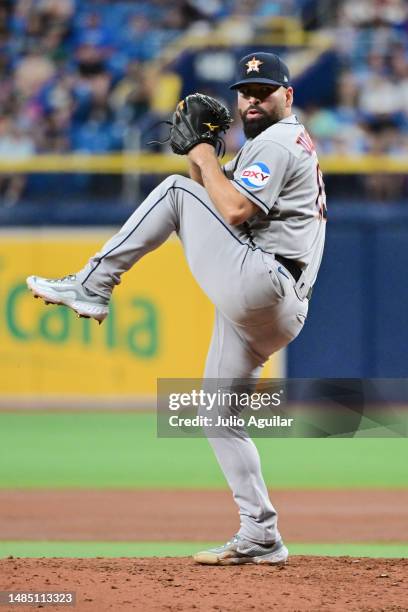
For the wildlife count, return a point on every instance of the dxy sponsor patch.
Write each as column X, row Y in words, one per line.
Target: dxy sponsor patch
column 255, row 176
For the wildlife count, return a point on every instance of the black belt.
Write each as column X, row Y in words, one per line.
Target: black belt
column 293, row 269
column 290, row 266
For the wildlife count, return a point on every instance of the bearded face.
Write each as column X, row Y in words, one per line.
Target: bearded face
column 256, row 120
column 260, row 106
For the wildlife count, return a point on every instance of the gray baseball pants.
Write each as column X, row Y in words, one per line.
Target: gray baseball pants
column 257, row 313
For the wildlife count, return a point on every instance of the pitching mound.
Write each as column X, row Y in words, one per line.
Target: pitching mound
column 306, row 584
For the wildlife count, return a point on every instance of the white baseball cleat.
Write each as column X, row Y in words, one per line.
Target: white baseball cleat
column 69, row 292
column 238, row 550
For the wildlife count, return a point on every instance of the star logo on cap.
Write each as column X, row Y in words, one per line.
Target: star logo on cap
column 253, row 65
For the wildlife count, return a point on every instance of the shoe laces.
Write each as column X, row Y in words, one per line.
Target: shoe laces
column 69, row 277
column 234, row 540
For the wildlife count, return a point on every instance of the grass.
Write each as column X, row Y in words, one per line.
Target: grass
column 182, row 549
column 108, row 450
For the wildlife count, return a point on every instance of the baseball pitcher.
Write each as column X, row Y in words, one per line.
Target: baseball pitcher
column 253, row 235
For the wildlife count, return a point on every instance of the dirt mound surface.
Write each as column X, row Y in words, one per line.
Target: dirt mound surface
column 154, row 515
column 307, row 584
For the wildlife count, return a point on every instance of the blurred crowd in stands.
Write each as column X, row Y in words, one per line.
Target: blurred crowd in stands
column 80, row 75
column 371, row 112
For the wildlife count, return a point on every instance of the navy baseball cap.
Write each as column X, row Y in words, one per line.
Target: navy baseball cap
column 263, row 68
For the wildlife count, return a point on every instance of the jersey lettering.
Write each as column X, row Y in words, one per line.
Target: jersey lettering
column 306, row 142
column 256, row 175
column 321, row 195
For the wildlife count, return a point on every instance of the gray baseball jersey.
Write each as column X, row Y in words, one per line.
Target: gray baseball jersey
column 279, row 172
column 258, row 307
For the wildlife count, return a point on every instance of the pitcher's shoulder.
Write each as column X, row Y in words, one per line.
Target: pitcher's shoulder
column 292, row 136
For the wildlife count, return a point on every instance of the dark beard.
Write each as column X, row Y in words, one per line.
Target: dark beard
column 254, row 127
